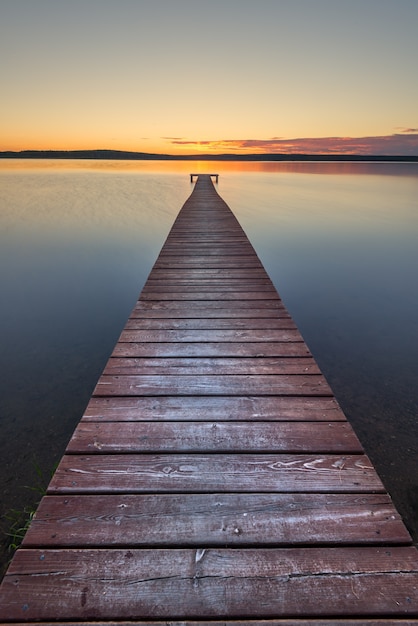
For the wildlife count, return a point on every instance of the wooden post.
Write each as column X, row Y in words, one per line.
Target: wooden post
column 211, row 175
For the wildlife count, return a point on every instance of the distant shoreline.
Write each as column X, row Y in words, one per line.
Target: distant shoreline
column 145, row 156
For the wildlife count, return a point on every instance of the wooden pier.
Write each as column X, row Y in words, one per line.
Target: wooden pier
column 213, row 477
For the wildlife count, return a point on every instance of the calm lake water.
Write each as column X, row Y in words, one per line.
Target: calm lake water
column 78, row 240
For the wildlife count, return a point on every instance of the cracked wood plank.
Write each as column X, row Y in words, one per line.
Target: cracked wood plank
column 212, row 583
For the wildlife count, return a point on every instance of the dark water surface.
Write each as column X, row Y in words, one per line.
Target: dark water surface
column 77, row 242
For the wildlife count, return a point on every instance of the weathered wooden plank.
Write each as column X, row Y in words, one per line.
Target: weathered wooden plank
column 181, row 310
column 200, row 242
column 203, row 284
column 201, row 232
column 206, row 286
column 192, row 250
column 247, row 622
column 291, row 437
column 198, row 473
column 166, row 261
column 206, row 223
column 233, row 408
column 210, row 295
column 192, row 221
column 212, row 583
column 223, row 260
column 209, row 222
column 220, row 349
column 204, row 246
column 202, row 323
column 234, row 384
column 199, row 227
column 242, row 249
column 219, row 519
column 135, row 366
column 274, row 307
column 190, row 335
column 246, row 274
column 253, row 284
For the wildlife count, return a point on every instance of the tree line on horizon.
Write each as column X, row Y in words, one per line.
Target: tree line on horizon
column 130, row 155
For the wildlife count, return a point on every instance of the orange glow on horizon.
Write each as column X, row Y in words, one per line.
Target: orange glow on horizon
column 404, row 142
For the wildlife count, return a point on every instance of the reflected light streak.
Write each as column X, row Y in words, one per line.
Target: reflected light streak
column 184, row 168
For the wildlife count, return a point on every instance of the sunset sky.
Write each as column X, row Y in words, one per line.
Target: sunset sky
column 200, row 76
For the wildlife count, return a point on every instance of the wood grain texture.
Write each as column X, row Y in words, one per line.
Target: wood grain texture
column 206, row 366
column 208, row 287
column 107, row 437
column 398, row 621
column 208, row 473
column 234, row 384
column 212, row 583
column 214, row 308
column 210, row 336
column 211, row 349
column 210, row 295
column 203, row 408
column 204, row 323
column 167, row 261
column 216, row 519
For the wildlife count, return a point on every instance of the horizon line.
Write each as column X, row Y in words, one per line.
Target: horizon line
column 101, row 153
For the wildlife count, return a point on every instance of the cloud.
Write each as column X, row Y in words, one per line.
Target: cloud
column 403, row 143
column 402, row 129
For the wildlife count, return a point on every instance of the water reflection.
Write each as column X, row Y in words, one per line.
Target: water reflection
column 368, row 168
